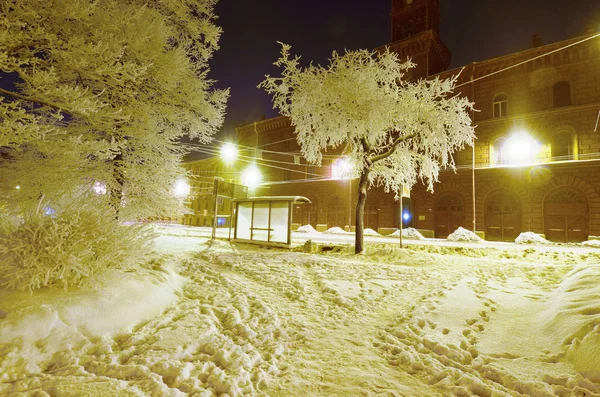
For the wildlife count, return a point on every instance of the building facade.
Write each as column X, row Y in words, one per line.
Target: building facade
column 535, row 165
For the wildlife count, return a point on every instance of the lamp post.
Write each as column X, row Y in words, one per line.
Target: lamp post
column 342, row 169
column 181, row 190
column 229, row 153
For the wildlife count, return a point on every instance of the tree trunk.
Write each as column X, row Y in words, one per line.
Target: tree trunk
column 359, row 243
column 116, row 192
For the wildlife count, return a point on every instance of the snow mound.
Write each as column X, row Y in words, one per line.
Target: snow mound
column 335, row 230
column 462, row 234
column 573, row 319
column 370, row 232
column 64, row 320
column 531, row 238
column 591, row 243
column 306, row 229
column 409, row 232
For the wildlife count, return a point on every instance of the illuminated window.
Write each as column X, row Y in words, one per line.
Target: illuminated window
column 519, row 148
column 561, row 94
column 500, row 105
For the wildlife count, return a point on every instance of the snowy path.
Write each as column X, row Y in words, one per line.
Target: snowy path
column 427, row 321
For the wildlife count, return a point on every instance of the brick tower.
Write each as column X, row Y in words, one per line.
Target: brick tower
column 415, row 35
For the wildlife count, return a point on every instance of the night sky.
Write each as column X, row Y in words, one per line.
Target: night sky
column 473, row 30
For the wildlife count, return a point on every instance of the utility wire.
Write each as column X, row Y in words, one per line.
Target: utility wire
column 266, row 165
column 210, row 150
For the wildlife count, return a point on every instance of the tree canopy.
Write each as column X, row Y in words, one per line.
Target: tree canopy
column 395, row 131
column 104, row 91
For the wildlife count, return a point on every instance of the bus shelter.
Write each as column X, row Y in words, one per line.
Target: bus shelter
column 265, row 219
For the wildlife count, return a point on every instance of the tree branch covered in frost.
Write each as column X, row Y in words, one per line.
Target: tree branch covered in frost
column 402, row 131
column 104, row 92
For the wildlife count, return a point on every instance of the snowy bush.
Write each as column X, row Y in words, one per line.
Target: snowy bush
column 462, row 234
column 531, row 238
column 69, row 249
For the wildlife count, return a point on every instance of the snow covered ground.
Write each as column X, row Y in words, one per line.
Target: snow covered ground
column 215, row 319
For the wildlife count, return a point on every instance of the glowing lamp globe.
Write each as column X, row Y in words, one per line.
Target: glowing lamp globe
column 181, row 188
column 229, row 153
column 251, row 176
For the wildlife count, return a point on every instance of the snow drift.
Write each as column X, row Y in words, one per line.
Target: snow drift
column 462, row 234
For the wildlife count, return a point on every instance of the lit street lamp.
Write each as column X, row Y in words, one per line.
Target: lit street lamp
column 521, row 148
column 181, row 189
column 251, row 176
column 229, row 153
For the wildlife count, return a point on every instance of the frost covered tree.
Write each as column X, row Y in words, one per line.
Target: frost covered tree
column 104, row 91
column 396, row 132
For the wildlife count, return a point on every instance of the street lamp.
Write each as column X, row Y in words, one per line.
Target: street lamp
column 229, row 153
column 181, row 189
column 521, row 148
column 342, row 169
column 251, row 176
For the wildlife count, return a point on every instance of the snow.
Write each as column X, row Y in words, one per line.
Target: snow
column 370, row 232
column 531, row 238
column 462, row 234
column 409, row 232
column 335, row 230
column 210, row 318
column 591, row 243
column 306, row 229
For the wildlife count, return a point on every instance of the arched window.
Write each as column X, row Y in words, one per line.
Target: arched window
column 497, row 151
column 561, row 94
column 500, row 105
column 564, row 146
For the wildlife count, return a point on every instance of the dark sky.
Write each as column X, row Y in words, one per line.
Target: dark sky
column 473, row 30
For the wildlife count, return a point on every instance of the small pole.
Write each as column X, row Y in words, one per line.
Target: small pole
column 401, row 217
column 230, row 218
column 214, row 226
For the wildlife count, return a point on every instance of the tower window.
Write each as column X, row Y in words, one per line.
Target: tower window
column 561, row 94
column 500, row 105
